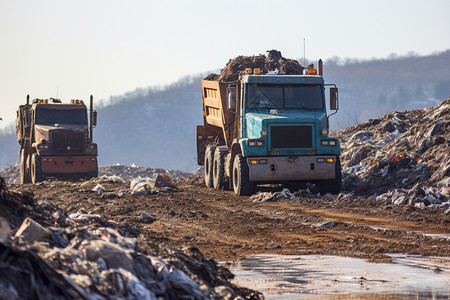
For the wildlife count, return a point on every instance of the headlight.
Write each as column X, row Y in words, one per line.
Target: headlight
column 255, row 143
column 324, row 131
column 328, row 142
column 263, row 132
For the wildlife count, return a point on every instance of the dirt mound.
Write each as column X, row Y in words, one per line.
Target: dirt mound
column 403, row 157
column 271, row 61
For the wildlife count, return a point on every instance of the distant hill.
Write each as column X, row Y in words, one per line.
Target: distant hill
column 372, row 88
column 155, row 127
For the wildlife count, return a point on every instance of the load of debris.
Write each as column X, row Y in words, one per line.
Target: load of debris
column 401, row 158
column 48, row 255
column 272, row 62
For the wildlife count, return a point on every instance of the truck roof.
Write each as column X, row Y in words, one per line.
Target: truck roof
column 284, row 79
column 59, row 106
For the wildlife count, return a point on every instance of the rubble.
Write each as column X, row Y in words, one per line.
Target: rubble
column 401, row 158
column 272, row 61
column 270, row 197
column 114, row 173
column 82, row 256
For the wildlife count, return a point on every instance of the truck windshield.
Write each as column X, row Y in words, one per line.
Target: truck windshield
column 46, row 116
column 277, row 96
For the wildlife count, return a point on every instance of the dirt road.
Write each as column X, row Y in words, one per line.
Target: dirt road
column 225, row 227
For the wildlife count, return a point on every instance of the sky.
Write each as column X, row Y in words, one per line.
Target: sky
column 74, row 48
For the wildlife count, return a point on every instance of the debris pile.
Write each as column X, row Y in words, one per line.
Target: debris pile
column 83, row 256
column 273, row 62
column 401, row 158
column 11, row 174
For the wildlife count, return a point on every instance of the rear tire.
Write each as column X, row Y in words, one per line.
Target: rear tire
column 208, row 165
column 23, row 167
column 242, row 185
column 332, row 186
column 36, row 169
column 219, row 179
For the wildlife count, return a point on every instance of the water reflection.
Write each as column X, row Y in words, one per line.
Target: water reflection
column 333, row 277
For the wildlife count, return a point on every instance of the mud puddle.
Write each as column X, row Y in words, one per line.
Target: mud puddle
column 328, row 277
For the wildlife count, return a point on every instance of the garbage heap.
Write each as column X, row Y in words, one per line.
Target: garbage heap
column 401, row 158
column 80, row 256
column 11, row 173
column 272, row 61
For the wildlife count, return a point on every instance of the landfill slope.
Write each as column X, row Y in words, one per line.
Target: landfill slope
column 49, row 253
column 401, row 158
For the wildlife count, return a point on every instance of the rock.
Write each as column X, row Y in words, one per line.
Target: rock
column 147, row 218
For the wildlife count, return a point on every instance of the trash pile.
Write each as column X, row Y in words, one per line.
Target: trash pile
column 146, row 186
column 130, row 172
column 272, row 197
column 401, row 158
column 273, row 62
column 48, row 255
column 11, row 174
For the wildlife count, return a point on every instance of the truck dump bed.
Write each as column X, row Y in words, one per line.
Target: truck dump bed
column 218, row 121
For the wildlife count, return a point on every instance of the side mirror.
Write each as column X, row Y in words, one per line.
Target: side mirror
column 231, row 98
column 334, row 103
column 94, row 118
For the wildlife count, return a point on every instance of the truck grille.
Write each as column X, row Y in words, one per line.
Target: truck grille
column 291, row 137
column 68, row 142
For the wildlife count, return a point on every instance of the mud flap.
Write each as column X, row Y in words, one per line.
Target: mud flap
column 205, row 136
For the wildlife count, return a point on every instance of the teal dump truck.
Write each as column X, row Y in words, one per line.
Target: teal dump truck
column 265, row 129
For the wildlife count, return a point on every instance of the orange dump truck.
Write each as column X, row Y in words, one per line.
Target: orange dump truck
column 56, row 140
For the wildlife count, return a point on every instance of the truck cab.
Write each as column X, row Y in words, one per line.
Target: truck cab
column 284, row 130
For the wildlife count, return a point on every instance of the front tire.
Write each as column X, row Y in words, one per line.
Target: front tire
column 209, row 159
column 242, row 185
column 36, row 169
column 332, row 186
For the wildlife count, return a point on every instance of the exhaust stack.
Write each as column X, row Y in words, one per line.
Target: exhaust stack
column 320, row 67
column 91, row 125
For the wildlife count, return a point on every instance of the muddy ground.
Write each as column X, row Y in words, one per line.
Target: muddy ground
column 227, row 227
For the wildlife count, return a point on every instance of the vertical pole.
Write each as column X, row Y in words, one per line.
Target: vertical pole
column 304, row 52
column 91, row 126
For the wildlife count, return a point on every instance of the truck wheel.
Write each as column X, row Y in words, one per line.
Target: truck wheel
column 219, row 180
column 36, row 168
column 332, row 186
column 242, row 185
column 23, row 167
column 209, row 159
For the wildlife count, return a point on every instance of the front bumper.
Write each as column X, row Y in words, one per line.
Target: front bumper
column 288, row 168
column 69, row 164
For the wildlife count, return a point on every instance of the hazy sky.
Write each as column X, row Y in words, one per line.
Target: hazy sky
column 72, row 49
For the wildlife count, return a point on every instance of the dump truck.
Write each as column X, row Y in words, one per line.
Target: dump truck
column 269, row 129
column 56, row 140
